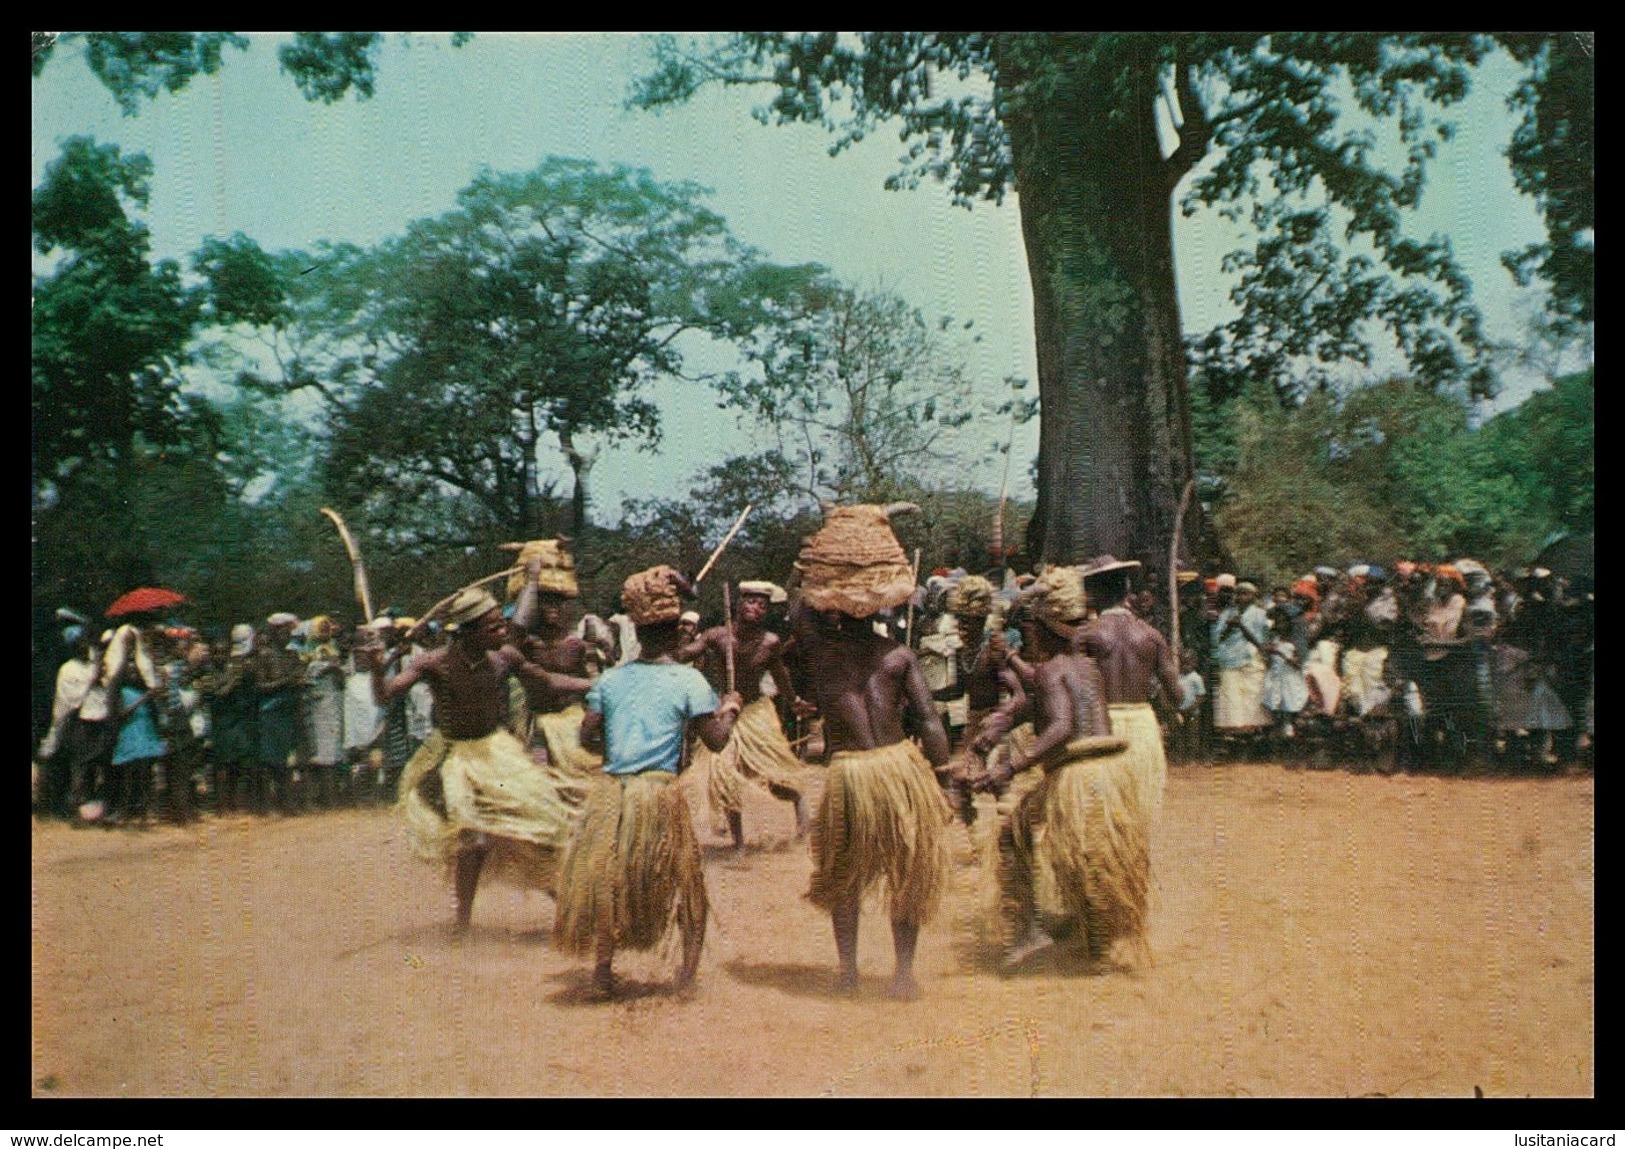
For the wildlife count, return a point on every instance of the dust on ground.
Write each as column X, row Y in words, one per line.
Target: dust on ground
column 1316, row 934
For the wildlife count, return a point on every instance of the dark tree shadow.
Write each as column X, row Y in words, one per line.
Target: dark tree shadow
column 801, row 979
column 576, row 990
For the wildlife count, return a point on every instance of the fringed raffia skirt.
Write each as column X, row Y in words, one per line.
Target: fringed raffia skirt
column 636, row 862
column 1148, row 762
column 1081, row 838
column 560, row 732
column 881, row 823
column 757, row 751
column 488, row 792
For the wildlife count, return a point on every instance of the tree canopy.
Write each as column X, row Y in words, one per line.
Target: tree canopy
column 1096, row 132
column 536, row 314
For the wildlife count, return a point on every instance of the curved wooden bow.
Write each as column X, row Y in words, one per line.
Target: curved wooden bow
column 358, row 569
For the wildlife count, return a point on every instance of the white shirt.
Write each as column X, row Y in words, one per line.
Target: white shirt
column 73, row 681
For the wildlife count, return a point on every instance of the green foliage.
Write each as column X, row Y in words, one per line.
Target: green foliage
column 244, row 285
column 1273, row 109
column 1553, row 157
column 1396, row 470
column 110, row 327
column 1548, row 445
column 326, row 65
column 539, row 311
column 136, row 66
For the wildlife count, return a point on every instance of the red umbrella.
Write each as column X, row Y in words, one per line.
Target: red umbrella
column 143, row 599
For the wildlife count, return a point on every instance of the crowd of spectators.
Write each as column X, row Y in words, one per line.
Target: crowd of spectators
column 1447, row 667
column 150, row 719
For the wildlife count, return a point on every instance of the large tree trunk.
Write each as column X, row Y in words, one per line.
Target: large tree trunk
column 1095, row 195
column 581, row 463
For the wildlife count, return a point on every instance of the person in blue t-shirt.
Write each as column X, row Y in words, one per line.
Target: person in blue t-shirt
column 634, row 868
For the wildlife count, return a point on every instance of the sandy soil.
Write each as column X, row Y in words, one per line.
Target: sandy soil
column 1316, row 934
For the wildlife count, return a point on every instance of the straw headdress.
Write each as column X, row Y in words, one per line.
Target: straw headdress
column 558, row 573
column 650, row 596
column 972, row 597
column 854, row 564
column 1056, row 599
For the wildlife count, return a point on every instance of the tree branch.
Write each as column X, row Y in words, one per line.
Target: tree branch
column 1194, row 128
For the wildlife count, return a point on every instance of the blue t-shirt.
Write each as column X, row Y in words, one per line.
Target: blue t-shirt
column 646, row 708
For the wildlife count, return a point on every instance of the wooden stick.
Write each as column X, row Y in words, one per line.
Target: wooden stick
column 726, row 539
column 728, row 621
column 910, row 623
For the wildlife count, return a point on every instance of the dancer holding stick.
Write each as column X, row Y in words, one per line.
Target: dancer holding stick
column 736, row 655
column 472, row 795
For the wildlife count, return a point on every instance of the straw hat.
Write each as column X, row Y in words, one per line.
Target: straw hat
column 761, row 587
column 558, row 573
column 650, row 596
column 1102, row 564
column 854, row 564
column 470, row 605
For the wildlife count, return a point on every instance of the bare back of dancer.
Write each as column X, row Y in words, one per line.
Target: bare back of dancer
column 865, row 685
column 1131, row 655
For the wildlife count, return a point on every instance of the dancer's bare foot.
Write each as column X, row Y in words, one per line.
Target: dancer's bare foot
column 1032, row 942
column 904, row 987
column 603, row 984
column 847, row 986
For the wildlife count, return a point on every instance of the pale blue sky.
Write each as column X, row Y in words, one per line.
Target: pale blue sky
column 243, row 151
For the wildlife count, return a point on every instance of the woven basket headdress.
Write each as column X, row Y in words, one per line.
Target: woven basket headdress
column 650, row 596
column 1056, row 598
column 558, row 573
column 854, row 564
column 971, row 596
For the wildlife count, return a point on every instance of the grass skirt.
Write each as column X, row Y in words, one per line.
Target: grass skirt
column 636, row 861
column 1081, row 838
column 560, row 732
column 456, row 792
column 1147, row 763
column 757, row 751
column 881, row 822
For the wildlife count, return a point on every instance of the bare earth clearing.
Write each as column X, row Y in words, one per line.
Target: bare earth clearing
column 1317, row 934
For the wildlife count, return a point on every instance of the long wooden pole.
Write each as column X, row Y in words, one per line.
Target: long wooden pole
column 726, row 539
column 1173, row 564
column 728, row 621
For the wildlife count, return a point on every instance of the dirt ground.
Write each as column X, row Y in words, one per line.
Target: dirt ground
column 1316, row 934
